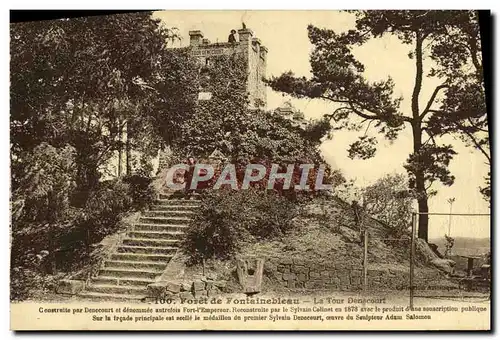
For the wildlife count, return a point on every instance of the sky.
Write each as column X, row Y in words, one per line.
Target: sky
column 284, row 33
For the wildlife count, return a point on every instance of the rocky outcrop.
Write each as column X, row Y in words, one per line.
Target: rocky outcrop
column 423, row 249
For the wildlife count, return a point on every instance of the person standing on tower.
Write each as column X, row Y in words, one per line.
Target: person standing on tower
column 232, row 39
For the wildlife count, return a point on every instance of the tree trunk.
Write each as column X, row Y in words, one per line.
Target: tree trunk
column 120, row 149
column 418, row 172
column 128, row 149
column 423, row 221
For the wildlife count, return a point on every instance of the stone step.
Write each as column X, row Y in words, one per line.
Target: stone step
column 171, row 202
column 172, row 207
column 160, row 227
column 159, row 235
column 121, row 281
column 168, row 213
column 149, row 242
column 179, row 196
column 135, row 264
column 130, row 272
column 164, row 220
column 115, row 289
column 146, row 249
column 108, row 296
column 141, row 257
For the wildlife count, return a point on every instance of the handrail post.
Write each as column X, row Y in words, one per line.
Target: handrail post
column 365, row 263
column 412, row 256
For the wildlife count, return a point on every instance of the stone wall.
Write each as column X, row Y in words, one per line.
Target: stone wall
column 186, row 290
column 299, row 273
column 296, row 273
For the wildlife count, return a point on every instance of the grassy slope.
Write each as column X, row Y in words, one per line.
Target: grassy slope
column 324, row 232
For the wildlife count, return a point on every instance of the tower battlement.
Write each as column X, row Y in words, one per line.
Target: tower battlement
column 247, row 45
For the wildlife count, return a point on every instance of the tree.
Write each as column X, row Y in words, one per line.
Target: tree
column 219, row 122
column 77, row 86
column 226, row 123
column 47, row 183
column 74, row 83
column 462, row 111
column 390, row 201
column 337, row 76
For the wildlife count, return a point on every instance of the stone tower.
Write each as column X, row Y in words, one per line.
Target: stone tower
column 250, row 47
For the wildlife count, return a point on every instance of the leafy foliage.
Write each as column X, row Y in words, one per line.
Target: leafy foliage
column 73, row 83
column 227, row 124
column 390, row 201
column 486, row 190
column 75, row 90
column 141, row 190
column 46, row 184
column 462, row 111
column 337, row 76
column 219, row 123
column 437, row 160
column 27, row 275
column 227, row 219
column 363, row 148
column 105, row 208
column 67, row 244
column 450, row 242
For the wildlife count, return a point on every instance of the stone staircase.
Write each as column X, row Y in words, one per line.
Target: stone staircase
column 144, row 252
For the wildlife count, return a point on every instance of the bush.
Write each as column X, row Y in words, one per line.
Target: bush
column 390, row 201
column 44, row 186
column 141, row 191
column 105, row 208
column 45, row 219
column 67, row 242
column 26, row 276
column 227, row 219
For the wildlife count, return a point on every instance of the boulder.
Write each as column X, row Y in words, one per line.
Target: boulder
column 185, row 287
column 173, row 287
column 221, row 284
column 425, row 250
column 185, row 295
column 71, row 287
column 445, row 265
column 434, row 248
column 430, row 256
column 200, row 293
column 198, row 285
column 157, row 289
column 349, row 235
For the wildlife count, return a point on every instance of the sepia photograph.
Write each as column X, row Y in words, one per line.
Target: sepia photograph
column 250, row 170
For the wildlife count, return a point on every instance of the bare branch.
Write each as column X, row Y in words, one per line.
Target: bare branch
column 478, row 145
column 475, row 125
column 431, row 100
column 431, row 136
column 336, row 110
column 429, row 186
column 360, row 113
column 368, row 126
